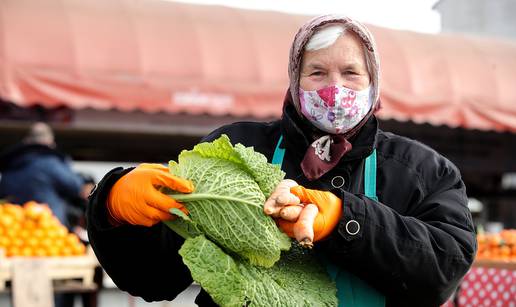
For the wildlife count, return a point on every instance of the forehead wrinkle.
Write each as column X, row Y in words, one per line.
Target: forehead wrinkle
column 337, row 56
column 353, row 64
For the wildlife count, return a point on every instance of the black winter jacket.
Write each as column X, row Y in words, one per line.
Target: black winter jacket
column 414, row 245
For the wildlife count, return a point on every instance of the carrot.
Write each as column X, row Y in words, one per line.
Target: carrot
column 304, row 227
column 280, row 197
column 291, row 213
column 287, row 198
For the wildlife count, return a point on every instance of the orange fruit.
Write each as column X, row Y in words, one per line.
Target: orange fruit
column 29, row 225
column 40, row 252
column 78, row 249
column 38, row 212
column 59, row 243
column 505, row 251
column 10, row 232
column 15, row 211
column 5, row 242
column 495, row 240
column 26, row 251
column 45, row 242
column 38, row 233
column 6, row 220
column 16, row 227
column 66, row 251
column 45, row 224
column 50, row 233
column 32, row 230
column 17, row 242
column 52, row 251
column 24, row 234
column 61, row 231
column 72, row 238
column 32, row 242
column 486, row 255
column 13, row 251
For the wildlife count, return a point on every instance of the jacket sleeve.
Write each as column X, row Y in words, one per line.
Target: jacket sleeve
column 140, row 260
column 66, row 182
column 416, row 252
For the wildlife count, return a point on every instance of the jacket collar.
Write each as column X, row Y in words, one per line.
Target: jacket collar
column 297, row 134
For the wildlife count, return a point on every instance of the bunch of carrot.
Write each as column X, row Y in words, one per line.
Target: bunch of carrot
column 295, row 218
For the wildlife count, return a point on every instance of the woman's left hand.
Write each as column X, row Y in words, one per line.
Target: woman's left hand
column 292, row 206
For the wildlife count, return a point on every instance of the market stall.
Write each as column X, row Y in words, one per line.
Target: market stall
column 158, row 75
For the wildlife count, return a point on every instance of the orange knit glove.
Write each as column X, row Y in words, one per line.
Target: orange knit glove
column 322, row 219
column 135, row 198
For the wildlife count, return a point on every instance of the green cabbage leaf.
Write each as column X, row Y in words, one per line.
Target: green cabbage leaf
column 297, row 279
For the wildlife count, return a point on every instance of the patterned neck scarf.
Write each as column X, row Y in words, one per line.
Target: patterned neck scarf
column 323, row 155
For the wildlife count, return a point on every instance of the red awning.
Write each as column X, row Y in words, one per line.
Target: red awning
column 448, row 80
column 159, row 56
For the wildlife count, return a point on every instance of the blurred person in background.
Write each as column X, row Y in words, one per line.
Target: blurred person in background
column 35, row 170
column 76, row 214
column 396, row 228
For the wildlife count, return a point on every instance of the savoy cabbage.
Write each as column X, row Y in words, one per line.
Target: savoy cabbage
column 233, row 250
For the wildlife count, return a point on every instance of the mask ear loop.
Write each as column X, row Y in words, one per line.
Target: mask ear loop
column 377, row 106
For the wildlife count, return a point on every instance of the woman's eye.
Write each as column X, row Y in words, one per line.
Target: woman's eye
column 350, row 72
column 316, row 73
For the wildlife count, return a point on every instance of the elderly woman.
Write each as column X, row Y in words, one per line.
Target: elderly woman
column 397, row 230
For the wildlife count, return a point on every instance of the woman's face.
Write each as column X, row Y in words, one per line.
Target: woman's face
column 343, row 64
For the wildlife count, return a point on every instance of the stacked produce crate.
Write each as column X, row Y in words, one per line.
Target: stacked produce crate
column 32, row 231
column 497, row 249
column 36, row 248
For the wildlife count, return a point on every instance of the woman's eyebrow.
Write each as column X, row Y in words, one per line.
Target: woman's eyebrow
column 346, row 66
column 352, row 66
column 314, row 66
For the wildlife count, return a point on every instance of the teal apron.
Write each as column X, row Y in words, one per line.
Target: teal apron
column 351, row 291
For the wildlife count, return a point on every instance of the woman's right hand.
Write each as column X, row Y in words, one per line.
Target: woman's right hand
column 136, row 200
column 282, row 203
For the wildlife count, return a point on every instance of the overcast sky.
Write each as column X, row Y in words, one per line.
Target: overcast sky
column 415, row 15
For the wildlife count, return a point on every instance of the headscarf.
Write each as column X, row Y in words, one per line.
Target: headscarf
column 334, row 145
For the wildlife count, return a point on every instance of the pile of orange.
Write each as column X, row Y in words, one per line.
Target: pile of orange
column 497, row 246
column 32, row 230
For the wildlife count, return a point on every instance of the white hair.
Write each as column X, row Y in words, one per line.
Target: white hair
column 327, row 36
column 40, row 133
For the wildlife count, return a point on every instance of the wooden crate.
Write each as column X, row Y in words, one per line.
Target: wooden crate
column 56, row 268
column 497, row 264
column 5, row 269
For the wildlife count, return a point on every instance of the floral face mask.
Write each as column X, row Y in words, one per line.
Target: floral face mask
column 335, row 109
